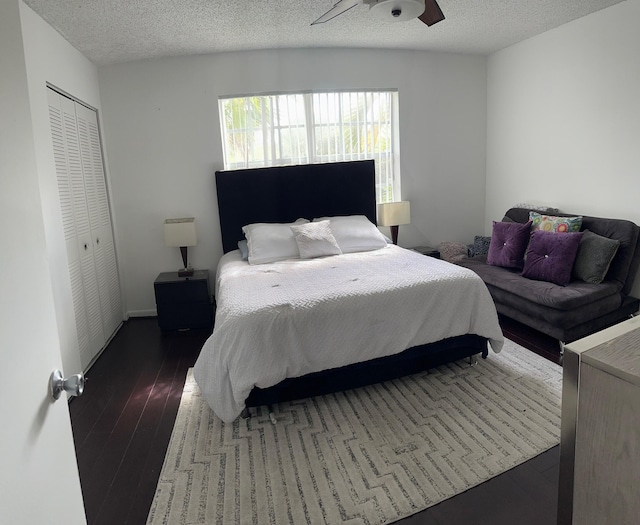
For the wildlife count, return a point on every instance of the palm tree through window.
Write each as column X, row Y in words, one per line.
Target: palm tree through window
column 302, row 128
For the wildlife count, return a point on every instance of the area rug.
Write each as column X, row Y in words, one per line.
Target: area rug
column 372, row 455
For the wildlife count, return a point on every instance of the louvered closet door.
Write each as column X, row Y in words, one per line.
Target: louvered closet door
column 99, row 219
column 69, row 174
column 90, row 249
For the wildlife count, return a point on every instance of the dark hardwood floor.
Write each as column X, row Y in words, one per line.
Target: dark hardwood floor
column 541, row 344
column 123, row 421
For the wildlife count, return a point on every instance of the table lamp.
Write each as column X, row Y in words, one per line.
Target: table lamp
column 393, row 214
column 181, row 233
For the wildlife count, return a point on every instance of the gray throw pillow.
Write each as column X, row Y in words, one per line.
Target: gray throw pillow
column 480, row 245
column 594, row 257
column 244, row 249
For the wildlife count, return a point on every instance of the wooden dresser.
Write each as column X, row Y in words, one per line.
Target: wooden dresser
column 600, row 438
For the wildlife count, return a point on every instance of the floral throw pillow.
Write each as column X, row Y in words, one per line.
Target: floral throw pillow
column 554, row 223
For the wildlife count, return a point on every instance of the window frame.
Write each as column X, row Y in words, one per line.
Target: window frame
column 272, row 132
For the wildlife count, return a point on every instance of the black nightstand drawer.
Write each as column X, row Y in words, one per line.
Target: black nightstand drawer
column 183, row 302
column 182, row 292
column 185, row 316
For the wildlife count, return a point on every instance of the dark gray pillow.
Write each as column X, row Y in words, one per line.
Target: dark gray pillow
column 480, row 245
column 594, row 257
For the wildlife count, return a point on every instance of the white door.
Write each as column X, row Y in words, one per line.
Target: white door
column 99, row 219
column 86, row 222
column 74, row 209
column 39, row 480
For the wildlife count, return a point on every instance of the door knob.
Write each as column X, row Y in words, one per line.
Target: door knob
column 74, row 384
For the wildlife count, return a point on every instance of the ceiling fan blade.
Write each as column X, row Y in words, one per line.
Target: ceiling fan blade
column 432, row 13
column 340, row 7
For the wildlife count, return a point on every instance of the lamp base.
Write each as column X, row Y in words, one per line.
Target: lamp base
column 185, row 272
column 394, row 234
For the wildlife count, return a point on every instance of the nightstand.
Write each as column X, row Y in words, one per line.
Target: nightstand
column 428, row 250
column 183, row 302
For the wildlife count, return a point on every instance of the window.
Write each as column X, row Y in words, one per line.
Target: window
column 304, row 128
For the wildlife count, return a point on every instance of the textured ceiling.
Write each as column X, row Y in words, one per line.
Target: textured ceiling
column 111, row 31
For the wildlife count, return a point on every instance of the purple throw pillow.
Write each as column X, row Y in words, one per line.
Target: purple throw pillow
column 508, row 244
column 550, row 256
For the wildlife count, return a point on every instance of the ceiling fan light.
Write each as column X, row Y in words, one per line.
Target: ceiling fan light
column 397, row 10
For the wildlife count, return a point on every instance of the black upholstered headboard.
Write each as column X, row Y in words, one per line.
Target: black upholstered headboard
column 286, row 193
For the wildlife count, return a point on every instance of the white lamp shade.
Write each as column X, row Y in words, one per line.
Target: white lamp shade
column 394, row 213
column 180, row 232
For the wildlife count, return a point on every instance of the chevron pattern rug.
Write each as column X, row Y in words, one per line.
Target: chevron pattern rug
column 372, row 455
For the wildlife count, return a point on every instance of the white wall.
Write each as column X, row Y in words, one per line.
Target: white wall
column 50, row 58
column 162, row 126
column 563, row 119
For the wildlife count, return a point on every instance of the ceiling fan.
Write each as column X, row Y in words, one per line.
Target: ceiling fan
column 427, row 11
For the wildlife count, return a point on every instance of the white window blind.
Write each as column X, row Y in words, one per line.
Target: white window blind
column 284, row 129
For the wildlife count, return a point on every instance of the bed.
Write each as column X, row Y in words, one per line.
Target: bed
column 298, row 328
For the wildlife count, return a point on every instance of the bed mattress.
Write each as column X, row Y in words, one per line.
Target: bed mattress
column 295, row 317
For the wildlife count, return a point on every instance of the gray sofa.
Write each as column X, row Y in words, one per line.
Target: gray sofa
column 567, row 312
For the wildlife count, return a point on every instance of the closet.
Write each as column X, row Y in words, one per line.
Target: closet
column 86, row 222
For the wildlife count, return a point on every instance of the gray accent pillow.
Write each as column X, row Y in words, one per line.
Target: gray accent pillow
column 594, row 257
column 244, row 249
column 480, row 245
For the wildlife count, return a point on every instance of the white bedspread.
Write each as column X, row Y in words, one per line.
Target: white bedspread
column 291, row 318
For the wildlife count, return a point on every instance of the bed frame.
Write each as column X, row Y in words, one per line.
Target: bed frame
column 286, row 193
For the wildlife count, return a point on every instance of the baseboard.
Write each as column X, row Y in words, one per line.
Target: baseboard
column 95, row 358
column 142, row 313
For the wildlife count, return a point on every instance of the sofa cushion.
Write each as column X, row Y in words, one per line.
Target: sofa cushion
column 594, row 257
column 554, row 223
column 510, row 282
column 550, row 256
column 551, row 320
column 508, row 243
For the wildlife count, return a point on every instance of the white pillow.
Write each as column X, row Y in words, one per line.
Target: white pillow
column 315, row 240
column 270, row 242
column 355, row 233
